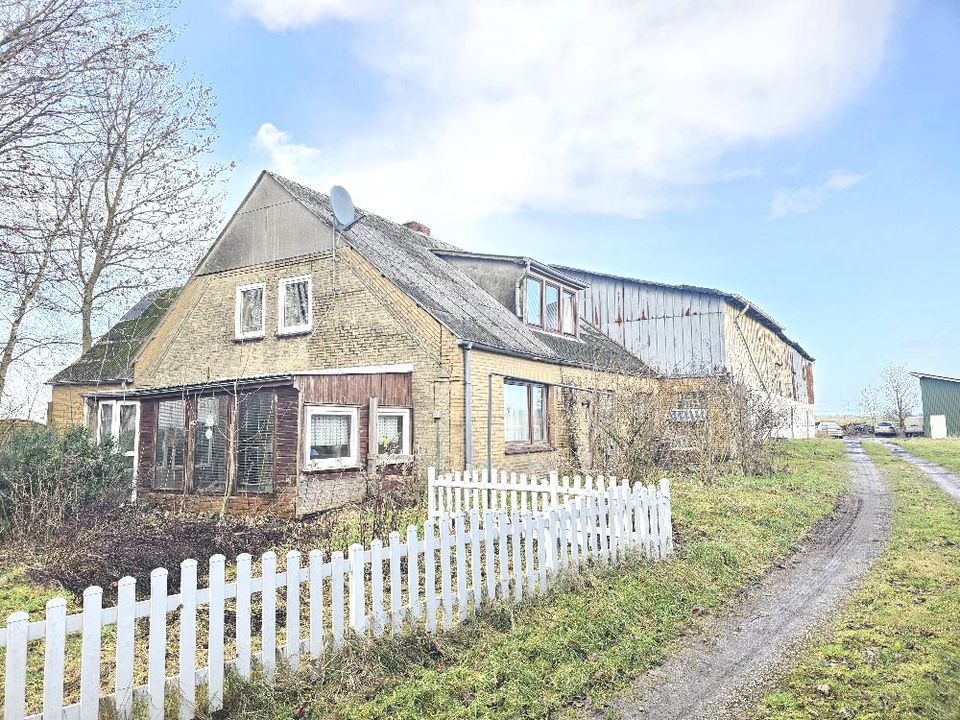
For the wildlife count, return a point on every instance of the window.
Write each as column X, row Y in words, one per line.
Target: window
column 249, row 311
column 210, row 444
column 524, row 413
column 568, row 313
column 255, row 424
column 332, row 438
column 551, row 303
column 534, row 307
column 168, row 470
column 118, row 420
column 691, row 407
column 550, row 306
column 294, row 311
column 393, row 431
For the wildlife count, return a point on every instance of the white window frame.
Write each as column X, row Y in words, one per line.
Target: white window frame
column 115, row 426
column 404, row 435
column 238, row 312
column 351, row 461
column 282, row 327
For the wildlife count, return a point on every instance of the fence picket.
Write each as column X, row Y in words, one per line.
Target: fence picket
column 490, row 569
column 503, row 562
column 293, row 609
column 188, row 639
column 268, row 614
column 475, row 556
column 338, row 569
column 429, row 576
column 126, row 626
column 157, row 645
column 376, row 588
column 446, row 577
column 15, row 673
column 358, row 600
column 396, row 602
column 461, row 539
column 315, row 560
column 215, row 634
column 244, row 572
column 413, row 577
column 515, row 542
column 54, row 650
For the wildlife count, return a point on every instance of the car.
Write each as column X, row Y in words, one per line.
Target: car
column 830, row 429
column 885, row 429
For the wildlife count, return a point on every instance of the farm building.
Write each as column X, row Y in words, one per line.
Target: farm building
column 684, row 331
column 940, row 399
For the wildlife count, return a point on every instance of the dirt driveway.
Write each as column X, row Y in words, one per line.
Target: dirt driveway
column 719, row 674
column 947, row 481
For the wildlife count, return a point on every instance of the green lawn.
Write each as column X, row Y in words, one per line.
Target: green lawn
column 895, row 650
column 943, row 452
column 584, row 640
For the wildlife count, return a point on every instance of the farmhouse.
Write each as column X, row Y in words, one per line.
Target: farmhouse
column 684, row 331
column 296, row 360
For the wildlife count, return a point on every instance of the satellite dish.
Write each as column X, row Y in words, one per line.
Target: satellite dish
column 342, row 205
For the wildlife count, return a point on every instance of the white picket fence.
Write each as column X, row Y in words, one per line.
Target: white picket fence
column 484, row 540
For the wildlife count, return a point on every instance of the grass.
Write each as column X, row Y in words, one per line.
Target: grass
column 944, row 452
column 585, row 639
column 895, row 650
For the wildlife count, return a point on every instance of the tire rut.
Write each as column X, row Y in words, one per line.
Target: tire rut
column 720, row 673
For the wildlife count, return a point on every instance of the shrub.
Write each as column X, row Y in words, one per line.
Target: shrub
column 48, row 475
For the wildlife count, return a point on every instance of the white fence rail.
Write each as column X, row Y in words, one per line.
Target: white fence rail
column 503, row 546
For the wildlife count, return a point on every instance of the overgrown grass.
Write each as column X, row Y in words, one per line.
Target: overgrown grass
column 944, row 452
column 584, row 639
column 895, row 650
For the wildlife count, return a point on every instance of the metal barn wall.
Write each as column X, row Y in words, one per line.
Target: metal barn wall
column 941, row 397
column 678, row 332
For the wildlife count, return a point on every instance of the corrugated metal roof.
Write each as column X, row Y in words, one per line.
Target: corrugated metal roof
column 739, row 300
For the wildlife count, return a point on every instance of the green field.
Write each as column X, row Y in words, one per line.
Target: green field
column 584, row 640
column 943, row 452
column 895, row 650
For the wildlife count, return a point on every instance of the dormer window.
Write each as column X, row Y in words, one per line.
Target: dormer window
column 550, row 306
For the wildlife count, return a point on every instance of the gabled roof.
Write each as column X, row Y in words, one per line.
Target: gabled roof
column 737, row 300
column 109, row 361
column 413, row 262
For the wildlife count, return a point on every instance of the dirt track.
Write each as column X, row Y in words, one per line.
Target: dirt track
column 949, row 482
column 718, row 674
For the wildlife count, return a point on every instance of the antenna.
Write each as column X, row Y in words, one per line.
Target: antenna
column 343, row 209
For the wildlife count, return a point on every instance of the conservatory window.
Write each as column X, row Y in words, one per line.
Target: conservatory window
column 168, row 472
column 332, row 438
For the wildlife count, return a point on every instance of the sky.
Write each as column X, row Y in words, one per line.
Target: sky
column 804, row 154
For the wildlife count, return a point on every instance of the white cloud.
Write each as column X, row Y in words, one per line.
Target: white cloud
column 287, row 158
column 608, row 106
column 805, row 199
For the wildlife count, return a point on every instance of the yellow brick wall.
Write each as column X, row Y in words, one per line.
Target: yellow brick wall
column 66, row 403
column 367, row 321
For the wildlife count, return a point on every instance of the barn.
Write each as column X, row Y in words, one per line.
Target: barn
column 940, row 398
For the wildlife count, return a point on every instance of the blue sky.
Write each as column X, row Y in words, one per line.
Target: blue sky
column 804, row 155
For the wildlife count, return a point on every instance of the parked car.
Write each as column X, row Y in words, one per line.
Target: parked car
column 830, row 429
column 913, row 426
column 885, row 429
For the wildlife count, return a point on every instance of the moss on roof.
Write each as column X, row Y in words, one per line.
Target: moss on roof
column 110, row 359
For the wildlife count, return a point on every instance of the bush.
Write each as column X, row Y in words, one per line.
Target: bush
column 48, row 475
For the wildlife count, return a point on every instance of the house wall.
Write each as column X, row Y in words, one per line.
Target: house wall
column 66, row 404
column 366, row 321
column 483, row 364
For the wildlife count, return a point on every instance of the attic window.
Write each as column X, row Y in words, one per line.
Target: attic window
column 251, row 301
column 550, row 306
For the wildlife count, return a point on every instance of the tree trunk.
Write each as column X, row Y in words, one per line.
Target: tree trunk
column 86, row 315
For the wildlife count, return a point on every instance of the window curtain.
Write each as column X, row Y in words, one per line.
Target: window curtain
column 329, row 436
column 296, row 310
column 171, row 418
column 251, row 319
column 389, row 434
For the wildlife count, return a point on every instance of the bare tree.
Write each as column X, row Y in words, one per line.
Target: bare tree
column 894, row 398
column 143, row 195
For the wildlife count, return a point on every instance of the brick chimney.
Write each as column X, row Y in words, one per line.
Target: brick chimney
column 417, row 227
